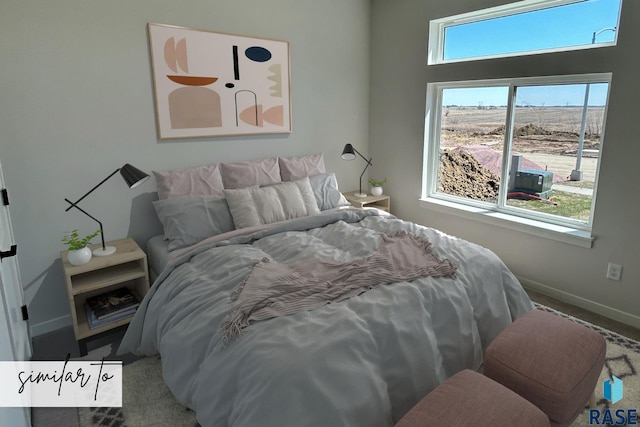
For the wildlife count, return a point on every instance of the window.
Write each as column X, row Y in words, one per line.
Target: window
column 520, row 151
column 525, row 27
column 528, row 147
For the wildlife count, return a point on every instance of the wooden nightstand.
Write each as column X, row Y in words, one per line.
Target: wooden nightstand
column 382, row 202
column 126, row 267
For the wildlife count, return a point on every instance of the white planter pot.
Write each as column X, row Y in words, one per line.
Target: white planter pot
column 376, row 191
column 79, row 256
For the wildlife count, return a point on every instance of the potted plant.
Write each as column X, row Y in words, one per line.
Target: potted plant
column 78, row 253
column 376, row 186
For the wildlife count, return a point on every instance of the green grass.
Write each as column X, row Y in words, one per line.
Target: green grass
column 569, row 205
column 579, row 184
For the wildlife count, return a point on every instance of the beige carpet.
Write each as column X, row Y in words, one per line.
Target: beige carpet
column 148, row 402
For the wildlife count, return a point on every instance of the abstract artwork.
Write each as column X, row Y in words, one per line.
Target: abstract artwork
column 217, row 84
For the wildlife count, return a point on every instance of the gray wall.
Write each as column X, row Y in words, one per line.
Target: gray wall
column 77, row 103
column 399, row 76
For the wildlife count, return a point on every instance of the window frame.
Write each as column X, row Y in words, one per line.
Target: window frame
column 433, row 126
column 436, row 45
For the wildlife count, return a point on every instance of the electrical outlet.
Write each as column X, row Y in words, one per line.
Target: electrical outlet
column 614, row 271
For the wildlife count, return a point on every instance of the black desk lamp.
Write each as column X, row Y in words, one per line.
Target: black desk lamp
column 133, row 177
column 349, row 153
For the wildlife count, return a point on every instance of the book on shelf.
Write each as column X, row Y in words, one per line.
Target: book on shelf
column 96, row 323
column 112, row 303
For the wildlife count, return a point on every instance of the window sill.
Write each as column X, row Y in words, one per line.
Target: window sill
column 559, row 233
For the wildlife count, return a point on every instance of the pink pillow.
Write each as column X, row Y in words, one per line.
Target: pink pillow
column 295, row 168
column 198, row 181
column 248, row 174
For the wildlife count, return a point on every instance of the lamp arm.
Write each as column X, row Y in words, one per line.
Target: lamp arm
column 74, row 205
column 363, row 157
column 365, row 168
column 363, row 171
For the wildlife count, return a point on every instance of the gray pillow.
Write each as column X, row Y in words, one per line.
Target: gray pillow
column 265, row 205
column 325, row 190
column 188, row 220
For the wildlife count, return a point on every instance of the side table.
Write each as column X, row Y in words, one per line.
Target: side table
column 382, row 202
column 126, row 267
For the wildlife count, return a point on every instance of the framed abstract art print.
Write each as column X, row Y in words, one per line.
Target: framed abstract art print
column 216, row 84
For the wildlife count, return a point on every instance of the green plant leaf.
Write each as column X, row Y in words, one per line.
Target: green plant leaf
column 74, row 242
column 374, row 182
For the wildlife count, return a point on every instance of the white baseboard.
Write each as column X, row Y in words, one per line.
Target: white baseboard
column 595, row 307
column 50, row 325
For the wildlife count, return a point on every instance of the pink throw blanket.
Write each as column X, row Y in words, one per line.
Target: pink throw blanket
column 272, row 289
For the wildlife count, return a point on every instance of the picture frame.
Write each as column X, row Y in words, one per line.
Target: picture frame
column 210, row 84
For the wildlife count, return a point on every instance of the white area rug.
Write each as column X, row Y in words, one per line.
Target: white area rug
column 146, row 401
column 622, row 360
column 624, row 364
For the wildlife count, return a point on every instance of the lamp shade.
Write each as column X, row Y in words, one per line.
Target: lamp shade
column 133, row 176
column 348, row 153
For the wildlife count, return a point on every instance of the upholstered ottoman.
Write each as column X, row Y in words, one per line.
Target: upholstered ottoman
column 552, row 362
column 471, row 399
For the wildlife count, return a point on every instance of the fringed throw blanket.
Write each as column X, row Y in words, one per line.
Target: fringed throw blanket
column 272, row 289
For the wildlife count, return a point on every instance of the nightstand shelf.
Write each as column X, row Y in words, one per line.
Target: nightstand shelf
column 382, row 202
column 126, row 267
column 100, row 279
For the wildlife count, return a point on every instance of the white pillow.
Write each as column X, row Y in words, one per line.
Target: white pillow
column 266, row 205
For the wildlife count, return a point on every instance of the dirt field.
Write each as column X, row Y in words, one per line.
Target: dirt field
column 462, row 175
column 550, row 130
column 546, row 137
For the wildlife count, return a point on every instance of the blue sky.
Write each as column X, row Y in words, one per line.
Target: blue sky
column 568, row 25
column 561, row 26
column 549, row 96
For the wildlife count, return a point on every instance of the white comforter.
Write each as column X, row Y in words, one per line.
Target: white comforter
column 361, row 362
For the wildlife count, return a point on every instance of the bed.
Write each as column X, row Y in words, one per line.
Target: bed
column 363, row 358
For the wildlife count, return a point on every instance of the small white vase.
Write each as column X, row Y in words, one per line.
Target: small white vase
column 79, row 256
column 376, row 191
